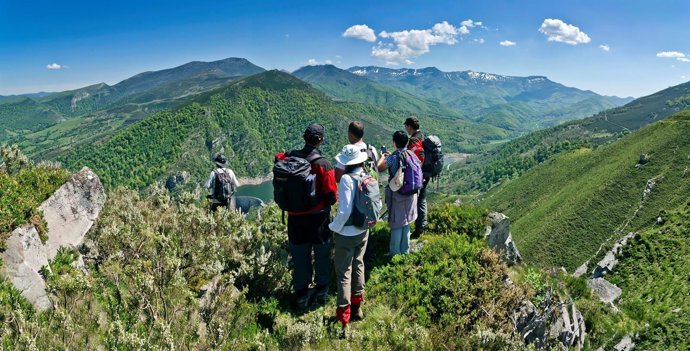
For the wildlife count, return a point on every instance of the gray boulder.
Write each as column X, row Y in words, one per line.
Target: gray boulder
column 69, row 214
column 606, row 291
column 72, row 209
column 500, row 239
column 610, row 260
column 626, row 344
column 22, row 261
column 554, row 323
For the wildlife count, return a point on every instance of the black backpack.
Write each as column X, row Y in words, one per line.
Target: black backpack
column 433, row 157
column 294, row 186
column 223, row 186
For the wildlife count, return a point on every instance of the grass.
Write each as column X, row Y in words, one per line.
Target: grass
column 655, row 277
column 565, row 208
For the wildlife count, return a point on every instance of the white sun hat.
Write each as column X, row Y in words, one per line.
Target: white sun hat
column 351, row 155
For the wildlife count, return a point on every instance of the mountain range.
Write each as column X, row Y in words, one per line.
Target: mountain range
column 514, row 103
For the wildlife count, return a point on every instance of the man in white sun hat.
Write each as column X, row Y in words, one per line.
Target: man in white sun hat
column 350, row 241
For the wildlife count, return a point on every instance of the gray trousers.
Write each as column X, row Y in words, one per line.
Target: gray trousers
column 349, row 265
column 302, row 260
column 422, row 210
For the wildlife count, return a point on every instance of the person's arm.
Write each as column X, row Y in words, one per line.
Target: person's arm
column 345, row 194
column 233, row 177
column 325, row 182
column 383, row 164
column 209, row 182
column 339, row 171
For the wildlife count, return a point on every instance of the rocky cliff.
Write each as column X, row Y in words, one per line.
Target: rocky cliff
column 69, row 213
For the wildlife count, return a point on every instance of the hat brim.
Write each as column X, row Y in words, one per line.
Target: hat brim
column 351, row 161
column 222, row 164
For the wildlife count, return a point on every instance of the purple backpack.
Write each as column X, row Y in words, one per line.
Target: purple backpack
column 412, row 171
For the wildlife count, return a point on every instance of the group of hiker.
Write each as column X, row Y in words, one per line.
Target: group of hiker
column 306, row 186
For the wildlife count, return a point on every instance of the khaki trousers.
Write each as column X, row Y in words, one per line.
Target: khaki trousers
column 349, row 265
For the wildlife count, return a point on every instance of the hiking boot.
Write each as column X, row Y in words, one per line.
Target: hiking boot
column 356, row 313
column 301, row 301
column 321, row 294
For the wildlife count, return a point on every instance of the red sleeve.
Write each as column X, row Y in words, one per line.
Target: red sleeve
column 325, row 183
column 418, row 149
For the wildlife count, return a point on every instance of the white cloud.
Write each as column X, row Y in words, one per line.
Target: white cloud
column 605, row 47
column 360, row 31
column 562, row 32
column 671, row 54
column 312, row 62
column 328, row 62
column 470, row 23
column 507, row 43
column 53, row 66
column 479, row 41
column 408, row 44
column 683, row 77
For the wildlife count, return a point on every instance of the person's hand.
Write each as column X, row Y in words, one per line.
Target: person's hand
column 387, row 153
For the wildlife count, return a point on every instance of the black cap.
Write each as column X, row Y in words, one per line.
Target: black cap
column 220, row 160
column 412, row 121
column 314, row 133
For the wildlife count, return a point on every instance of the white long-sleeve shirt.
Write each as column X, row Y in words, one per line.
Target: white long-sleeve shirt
column 346, row 201
column 210, row 183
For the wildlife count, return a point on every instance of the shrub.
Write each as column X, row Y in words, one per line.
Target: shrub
column 23, row 187
column 452, row 219
column 452, row 285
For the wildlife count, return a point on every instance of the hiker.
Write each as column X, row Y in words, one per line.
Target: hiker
column 308, row 199
column 222, row 184
column 350, row 240
column 402, row 209
column 416, row 146
column 355, row 134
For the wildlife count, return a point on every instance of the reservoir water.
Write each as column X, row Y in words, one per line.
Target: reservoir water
column 263, row 191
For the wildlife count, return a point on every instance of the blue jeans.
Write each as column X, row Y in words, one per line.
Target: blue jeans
column 400, row 240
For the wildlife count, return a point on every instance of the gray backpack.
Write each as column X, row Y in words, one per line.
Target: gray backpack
column 367, row 203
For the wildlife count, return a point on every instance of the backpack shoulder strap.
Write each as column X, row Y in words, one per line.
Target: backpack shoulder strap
column 312, row 157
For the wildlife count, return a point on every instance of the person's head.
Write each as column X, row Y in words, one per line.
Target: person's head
column 355, row 132
column 220, row 160
column 411, row 124
column 314, row 135
column 400, row 139
column 351, row 157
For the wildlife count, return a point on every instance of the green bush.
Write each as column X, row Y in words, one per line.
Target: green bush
column 452, row 285
column 451, row 219
column 23, row 187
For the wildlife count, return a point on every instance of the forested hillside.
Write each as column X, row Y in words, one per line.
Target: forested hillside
column 345, row 86
column 250, row 121
column 46, row 125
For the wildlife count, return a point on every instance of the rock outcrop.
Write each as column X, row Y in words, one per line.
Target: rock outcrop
column 500, row 239
column 554, row 322
column 607, row 292
column 610, row 260
column 69, row 212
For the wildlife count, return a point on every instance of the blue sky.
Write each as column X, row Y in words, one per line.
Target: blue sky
column 97, row 41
